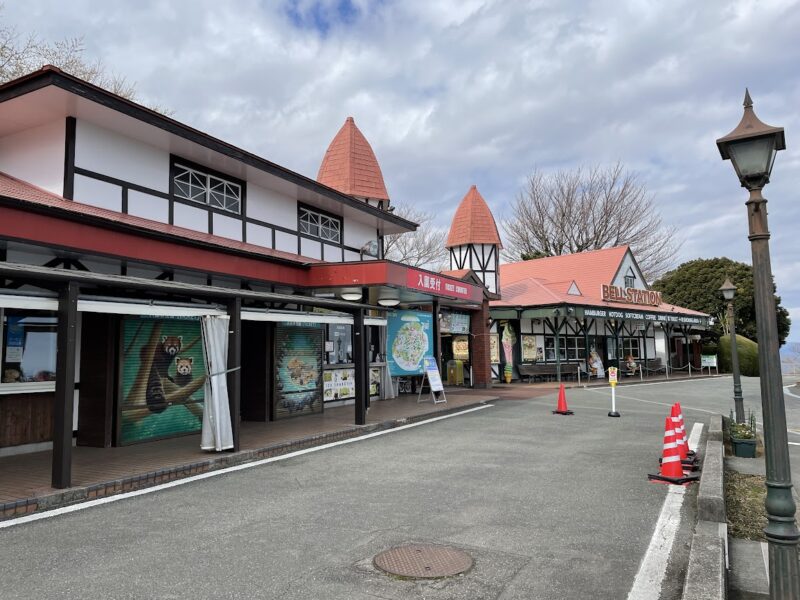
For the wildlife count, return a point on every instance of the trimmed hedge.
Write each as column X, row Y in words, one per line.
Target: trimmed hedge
column 748, row 355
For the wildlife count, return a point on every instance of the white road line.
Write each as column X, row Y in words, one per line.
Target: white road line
column 786, row 390
column 793, row 443
column 625, row 397
column 765, row 556
column 696, row 380
column 649, row 579
column 157, row 488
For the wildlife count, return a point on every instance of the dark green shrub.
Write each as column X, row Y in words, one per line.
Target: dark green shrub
column 748, row 355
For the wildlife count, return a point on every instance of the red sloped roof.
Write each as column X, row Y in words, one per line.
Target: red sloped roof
column 350, row 166
column 542, row 281
column 473, row 222
column 458, row 273
column 12, row 187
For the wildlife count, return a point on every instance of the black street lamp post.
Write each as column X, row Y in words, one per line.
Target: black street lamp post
column 752, row 147
column 728, row 292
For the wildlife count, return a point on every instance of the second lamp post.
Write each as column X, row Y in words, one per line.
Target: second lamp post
column 728, row 292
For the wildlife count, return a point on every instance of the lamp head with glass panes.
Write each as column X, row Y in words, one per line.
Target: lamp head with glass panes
column 752, row 147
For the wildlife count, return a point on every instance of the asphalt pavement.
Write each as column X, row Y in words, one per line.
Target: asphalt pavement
column 548, row 506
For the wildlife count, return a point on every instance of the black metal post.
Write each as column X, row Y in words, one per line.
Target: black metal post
column 437, row 334
column 781, row 531
column 65, row 385
column 738, row 402
column 235, row 362
column 360, row 367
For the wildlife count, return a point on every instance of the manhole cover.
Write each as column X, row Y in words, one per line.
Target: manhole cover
column 423, row 561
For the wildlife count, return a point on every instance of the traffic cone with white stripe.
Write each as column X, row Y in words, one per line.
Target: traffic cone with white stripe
column 671, row 471
column 561, row 407
column 688, row 462
column 689, row 453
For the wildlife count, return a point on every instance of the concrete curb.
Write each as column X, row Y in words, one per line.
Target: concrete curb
column 706, row 575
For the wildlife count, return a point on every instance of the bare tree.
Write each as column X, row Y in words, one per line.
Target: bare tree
column 421, row 248
column 21, row 54
column 588, row 209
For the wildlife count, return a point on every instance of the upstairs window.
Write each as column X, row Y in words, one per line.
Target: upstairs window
column 320, row 226
column 216, row 192
column 630, row 279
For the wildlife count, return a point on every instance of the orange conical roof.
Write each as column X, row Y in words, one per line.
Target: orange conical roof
column 350, row 165
column 473, row 222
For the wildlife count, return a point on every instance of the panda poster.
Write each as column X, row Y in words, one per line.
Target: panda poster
column 162, row 372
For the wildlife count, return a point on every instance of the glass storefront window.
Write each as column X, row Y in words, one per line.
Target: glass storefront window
column 570, row 348
column 339, row 344
column 630, row 347
column 28, row 346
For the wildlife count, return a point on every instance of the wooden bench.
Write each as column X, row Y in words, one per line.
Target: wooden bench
column 654, row 365
column 531, row 371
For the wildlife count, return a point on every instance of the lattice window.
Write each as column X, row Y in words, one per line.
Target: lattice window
column 320, row 226
column 191, row 184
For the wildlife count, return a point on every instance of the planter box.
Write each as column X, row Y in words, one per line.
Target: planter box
column 744, row 448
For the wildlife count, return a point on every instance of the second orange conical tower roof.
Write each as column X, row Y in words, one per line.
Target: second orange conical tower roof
column 473, row 222
column 350, row 166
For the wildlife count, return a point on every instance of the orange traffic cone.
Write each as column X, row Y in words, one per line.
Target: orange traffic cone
column 561, row 408
column 689, row 453
column 689, row 462
column 671, row 471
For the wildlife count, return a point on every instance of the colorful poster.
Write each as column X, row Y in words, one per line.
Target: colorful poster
column 529, row 352
column 459, row 323
column 339, row 384
column 434, row 377
column 494, row 348
column 298, row 369
column 461, row 347
column 163, row 375
column 509, row 339
column 15, row 336
column 409, row 340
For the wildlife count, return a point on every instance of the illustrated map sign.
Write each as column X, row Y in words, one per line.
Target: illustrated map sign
column 409, row 340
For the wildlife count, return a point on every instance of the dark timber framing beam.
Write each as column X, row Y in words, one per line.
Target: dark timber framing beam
column 65, row 385
column 235, row 363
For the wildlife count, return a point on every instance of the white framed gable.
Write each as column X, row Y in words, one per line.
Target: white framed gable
column 630, row 270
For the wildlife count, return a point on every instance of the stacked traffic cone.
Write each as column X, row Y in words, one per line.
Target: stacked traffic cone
column 689, row 462
column 671, row 471
column 690, row 453
column 561, row 408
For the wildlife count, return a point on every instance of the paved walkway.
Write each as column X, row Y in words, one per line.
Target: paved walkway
column 27, row 476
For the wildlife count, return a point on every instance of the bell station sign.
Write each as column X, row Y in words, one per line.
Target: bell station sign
column 615, row 293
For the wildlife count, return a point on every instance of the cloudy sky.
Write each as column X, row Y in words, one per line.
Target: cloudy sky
column 451, row 93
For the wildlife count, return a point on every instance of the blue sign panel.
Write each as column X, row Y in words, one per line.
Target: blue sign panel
column 409, row 340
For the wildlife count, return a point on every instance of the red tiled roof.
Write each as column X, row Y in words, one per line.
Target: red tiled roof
column 350, row 166
column 473, row 222
column 458, row 273
column 11, row 187
column 542, row 281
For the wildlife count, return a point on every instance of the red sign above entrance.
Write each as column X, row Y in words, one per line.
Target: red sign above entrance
column 434, row 284
column 614, row 293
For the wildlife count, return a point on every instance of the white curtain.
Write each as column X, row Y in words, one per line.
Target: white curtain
column 217, row 433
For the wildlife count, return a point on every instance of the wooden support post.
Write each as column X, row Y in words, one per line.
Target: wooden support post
column 360, row 367
column 235, row 362
column 65, row 385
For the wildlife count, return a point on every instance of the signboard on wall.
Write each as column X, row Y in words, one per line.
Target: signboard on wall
column 339, row 384
column 409, row 338
column 708, row 360
column 437, row 285
column 461, row 347
column 615, row 293
column 15, row 336
column 494, row 348
column 298, row 369
column 162, row 374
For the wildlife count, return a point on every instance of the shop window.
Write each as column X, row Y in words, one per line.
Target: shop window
column 630, row 279
column 339, row 344
column 570, row 348
column 630, row 347
column 198, row 186
column 319, row 225
column 29, row 346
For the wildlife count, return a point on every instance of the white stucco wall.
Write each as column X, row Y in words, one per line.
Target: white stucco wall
column 98, row 193
column 36, row 155
column 272, row 207
column 627, row 263
column 114, row 155
column 357, row 234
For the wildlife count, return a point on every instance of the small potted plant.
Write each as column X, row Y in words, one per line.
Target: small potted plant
column 508, row 372
column 743, row 437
